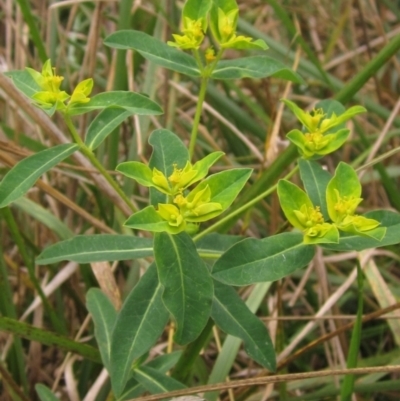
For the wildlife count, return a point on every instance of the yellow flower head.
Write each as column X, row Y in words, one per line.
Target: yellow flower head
column 160, row 181
column 49, row 83
column 192, row 37
column 182, row 178
column 81, row 92
column 171, row 214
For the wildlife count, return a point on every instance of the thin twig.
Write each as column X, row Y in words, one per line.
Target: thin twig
column 268, row 379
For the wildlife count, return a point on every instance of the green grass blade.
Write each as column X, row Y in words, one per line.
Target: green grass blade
column 31, row 22
column 352, row 87
column 46, row 337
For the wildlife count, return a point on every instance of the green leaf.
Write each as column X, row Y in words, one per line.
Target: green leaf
column 225, row 186
column 338, row 139
column 346, row 183
column 133, row 102
column 156, row 382
column 139, row 324
column 232, row 315
column 137, row 171
column 203, row 165
column 254, row 67
column 252, row 261
column 226, row 6
column 292, row 198
column 352, row 242
column 162, row 363
column 148, row 219
column 215, row 244
column 97, row 248
column 188, row 287
column 154, row 50
column 103, row 124
column 25, row 173
column 44, row 393
column 168, row 150
column 315, row 180
column 104, row 316
column 45, row 217
column 197, row 9
column 24, row 82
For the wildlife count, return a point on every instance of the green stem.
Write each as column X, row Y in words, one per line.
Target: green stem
column 191, row 352
column 199, row 108
column 90, row 155
column 46, row 337
column 242, row 209
column 206, row 73
column 348, row 381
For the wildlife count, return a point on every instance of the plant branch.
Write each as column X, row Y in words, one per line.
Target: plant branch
column 89, row 154
column 242, row 208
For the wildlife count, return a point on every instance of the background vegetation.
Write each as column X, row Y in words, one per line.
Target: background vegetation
column 343, row 50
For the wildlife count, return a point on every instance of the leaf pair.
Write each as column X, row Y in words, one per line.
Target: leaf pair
column 165, row 56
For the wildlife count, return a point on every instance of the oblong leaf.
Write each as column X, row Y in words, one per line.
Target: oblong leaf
column 196, row 9
column 168, row 149
column 97, row 248
column 252, row 261
column 104, row 124
column 154, row 50
column 149, row 220
column 315, row 180
column 127, row 100
column 215, row 244
column 344, row 183
column 292, row 198
column 225, row 186
column 254, row 67
column 24, row 82
column 188, row 287
column 232, row 315
column 162, row 363
column 139, row 324
column 44, row 393
column 137, row 171
column 155, row 381
column 104, row 316
column 25, row 173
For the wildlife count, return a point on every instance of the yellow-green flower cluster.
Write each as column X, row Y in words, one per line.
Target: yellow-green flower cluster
column 195, row 207
column 50, row 96
column 223, row 22
column 192, row 37
column 312, row 221
column 322, row 135
column 343, row 214
column 342, row 199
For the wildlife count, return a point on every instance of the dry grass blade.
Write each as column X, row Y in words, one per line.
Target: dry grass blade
column 268, row 379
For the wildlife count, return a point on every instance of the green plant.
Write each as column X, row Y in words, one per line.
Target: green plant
column 179, row 285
